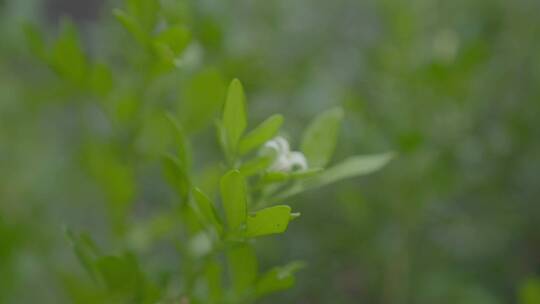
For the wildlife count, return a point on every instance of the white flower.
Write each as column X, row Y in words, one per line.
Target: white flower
column 286, row 160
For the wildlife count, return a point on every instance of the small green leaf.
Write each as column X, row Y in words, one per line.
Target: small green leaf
column 86, row 251
column 263, row 133
column 354, row 166
column 176, row 174
column 267, row 221
column 206, row 210
column 255, row 165
column 212, row 274
column 35, row 41
column 201, row 98
column 320, row 138
column 171, row 42
column 67, row 56
column 234, row 115
column 243, row 268
column 277, row 279
column 131, row 26
column 120, row 274
column 101, row 79
column 233, row 194
column 182, row 143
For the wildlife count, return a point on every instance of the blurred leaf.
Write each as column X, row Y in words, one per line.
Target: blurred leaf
column 177, row 176
column 529, row 293
column 145, row 13
column 131, row 26
column 234, row 115
column 182, row 143
column 101, row 79
column 263, row 133
column 234, row 196
column 212, row 274
column 243, row 268
column 35, row 41
column 351, row 167
column 171, row 42
column 207, row 210
column 120, row 274
column 267, row 221
column 278, row 279
column 255, row 165
column 202, row 97
column 354, row 166
column 320, row 138
column 86, row 251
column 67, row 56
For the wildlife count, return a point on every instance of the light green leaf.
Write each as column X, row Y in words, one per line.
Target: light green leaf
column 233, row 194
column 212, row 274
column 320, row 138
column 243, row 268
column 131, row 26
column 255, row 165
column 176, row 174
column 234, row 115
column 529, row 293
column 171, row 42
column 352, row 167
column 267, row 221
column 101, row 79
column 67, row 56
column 206, row 210
column 201, row 98
column 278, row 279
column 263, row 133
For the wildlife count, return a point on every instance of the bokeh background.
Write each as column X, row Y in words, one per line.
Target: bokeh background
column 451, row 86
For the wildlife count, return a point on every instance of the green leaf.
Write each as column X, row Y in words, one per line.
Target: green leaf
column 529, row 293
column 182, row 143
column 255, row 165
column 101, row 79
column 234, row 116
column 354, row 166
column 320, row 138
column 263, row 133
column 35, row 41
column 206, row 210
column 234, row 196
column 243, row 268
column 171, row 42
column 131, row 25
column 278, row 279
column 86, row 251
column 177, row 175
column 201, row 98
column 267, row 221
column 212, row 275
column 145, row 13
column 67, row 56
column 120, row 274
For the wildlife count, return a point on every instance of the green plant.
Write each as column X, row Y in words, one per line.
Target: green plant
column 215, row 242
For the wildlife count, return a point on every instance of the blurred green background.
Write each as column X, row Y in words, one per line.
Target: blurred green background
column 451, row 86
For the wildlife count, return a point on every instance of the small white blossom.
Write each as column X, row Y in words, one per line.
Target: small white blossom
column 286, row 160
